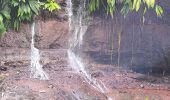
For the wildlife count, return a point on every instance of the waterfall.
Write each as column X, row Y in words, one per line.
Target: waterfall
column 77, row 29
column 36, row 67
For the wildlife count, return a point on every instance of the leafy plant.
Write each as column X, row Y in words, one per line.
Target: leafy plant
column 110, row 6
column 159, row 10
column 51, row 5
column 23, row 10
column 146, row 98
column 127, row 7
column 13, row 12
column 4, row 16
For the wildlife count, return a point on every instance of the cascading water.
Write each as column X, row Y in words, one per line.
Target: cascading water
column 36, row 67
column 77, row 30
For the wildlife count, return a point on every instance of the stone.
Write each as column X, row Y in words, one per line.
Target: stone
column 142, row 86
column 50, row 86
column 13, row 66
column 51, row 34
column 42, row 91
column 2, row 68
column 97, row 74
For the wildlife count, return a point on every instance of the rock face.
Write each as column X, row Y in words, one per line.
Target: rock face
column 51, row 31
column 52, row 35
column 19, row 39
column 124, row 42
column 107, row 43
column 127, row 42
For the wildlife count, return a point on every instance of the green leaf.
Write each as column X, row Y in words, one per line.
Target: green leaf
column 125, row 10
column 92, row 5
column 159, row 10
column 138, row 5
column 6, row 14
column 34, row 6
column 15, row 3
column 1, row 19
column 134, row 4
column 2, row 29
column 113, row 2
column 17, row 24
column 144, row 12
column 146, row 98
column 51, row 5
column 147, row 3
column 152, row 3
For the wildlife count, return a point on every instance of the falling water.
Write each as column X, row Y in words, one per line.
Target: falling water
column 36, row 67
column 77, row 30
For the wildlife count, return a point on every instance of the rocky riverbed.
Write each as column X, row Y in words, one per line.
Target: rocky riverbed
column 65, row 84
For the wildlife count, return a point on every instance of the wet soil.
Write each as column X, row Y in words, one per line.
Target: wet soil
column 65, row 84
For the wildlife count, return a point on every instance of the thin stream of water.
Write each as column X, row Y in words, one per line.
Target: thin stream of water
column 36, row 68
column 77, row 30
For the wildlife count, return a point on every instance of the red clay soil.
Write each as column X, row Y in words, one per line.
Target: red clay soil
column 65, row 84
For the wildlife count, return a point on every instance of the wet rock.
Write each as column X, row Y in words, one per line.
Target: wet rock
column 13, row 66
column 8, row 63
column 14, row 63
column 2, row 68
column 142, row 86
column 51, row 86
column 150, row 48
column 97, row 74
column 47, row 66
column 17, row 39
column 63, row 95
column 54, row 46
column 52, row 34
column 69, row 76
column 108, row 69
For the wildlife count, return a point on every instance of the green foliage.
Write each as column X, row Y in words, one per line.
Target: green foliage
column 4, row 16
column 13, row 12
column 159, row 10
column 2, row 30
column 149, row 3
column 136, row 4
column 95, row 5
column 127, row 7
column 146, row 98
column 17, row 11
column 110, row 6
column 23, row 10
column 51, row 5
